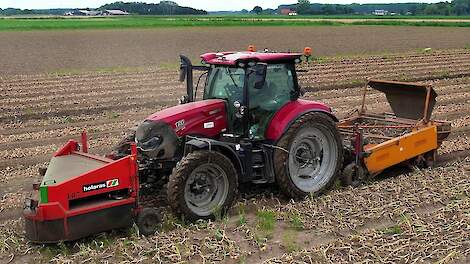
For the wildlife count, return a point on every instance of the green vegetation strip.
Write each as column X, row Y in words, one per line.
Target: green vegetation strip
column 59, row 23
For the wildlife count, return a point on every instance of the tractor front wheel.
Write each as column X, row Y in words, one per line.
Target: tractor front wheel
column 202, row 186
column 309, row 157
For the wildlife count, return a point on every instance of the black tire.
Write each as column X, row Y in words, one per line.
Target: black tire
column 430, row 159
column 182, row 192
column 324, row 125
column 424, row 161
column 352, row 175
column 148, row 221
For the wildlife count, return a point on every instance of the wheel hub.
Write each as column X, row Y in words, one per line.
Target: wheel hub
column 199, row 185
column 311, row 159
column 308, row 157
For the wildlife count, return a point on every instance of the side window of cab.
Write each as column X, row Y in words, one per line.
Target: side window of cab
column 277, row 90
column 265, row 102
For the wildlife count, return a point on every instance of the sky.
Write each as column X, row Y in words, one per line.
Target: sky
column 209, row 5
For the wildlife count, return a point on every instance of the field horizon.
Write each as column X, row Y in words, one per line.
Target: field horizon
column 34, row 23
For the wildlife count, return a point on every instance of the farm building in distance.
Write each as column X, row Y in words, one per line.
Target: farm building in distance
column 114, row 13
column 288, row 12
column 380, row 12
column 97, row 13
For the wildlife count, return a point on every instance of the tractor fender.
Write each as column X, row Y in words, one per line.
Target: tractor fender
column 210, row 144
column 290, row 112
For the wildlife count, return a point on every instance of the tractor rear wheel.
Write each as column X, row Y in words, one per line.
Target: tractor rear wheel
column 309, row 157
column 202, row 186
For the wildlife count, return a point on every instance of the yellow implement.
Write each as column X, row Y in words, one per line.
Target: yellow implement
column 377, row 141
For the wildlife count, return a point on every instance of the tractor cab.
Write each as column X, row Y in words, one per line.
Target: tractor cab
column 254, row 85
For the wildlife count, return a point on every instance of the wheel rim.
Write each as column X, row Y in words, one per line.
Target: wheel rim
column 206, row 189
column 312, row 158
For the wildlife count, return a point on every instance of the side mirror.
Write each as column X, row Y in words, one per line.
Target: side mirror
column 260, row 70
column 183, row 68
column 182, row 73
column 186, row 73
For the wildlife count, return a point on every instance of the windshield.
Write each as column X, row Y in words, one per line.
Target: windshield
column 225, row 83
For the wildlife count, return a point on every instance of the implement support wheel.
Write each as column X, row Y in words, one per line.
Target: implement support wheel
column 148, row 221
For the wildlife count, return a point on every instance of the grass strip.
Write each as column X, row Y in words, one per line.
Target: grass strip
column 60, row 23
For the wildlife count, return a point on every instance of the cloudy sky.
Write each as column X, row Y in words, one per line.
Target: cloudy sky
column 209, row 5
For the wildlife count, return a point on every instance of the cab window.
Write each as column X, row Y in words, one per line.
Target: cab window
column 277, row 90
column 225, row 83
column 264, row 103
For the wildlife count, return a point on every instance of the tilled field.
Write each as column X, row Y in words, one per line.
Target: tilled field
column 414, row 216
column 33, row 52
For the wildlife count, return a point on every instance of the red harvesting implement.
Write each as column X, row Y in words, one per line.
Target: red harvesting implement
column 83, row 194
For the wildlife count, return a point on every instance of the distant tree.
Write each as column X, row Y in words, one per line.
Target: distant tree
column 164, row 8
column 430, row 10
column 328, row 9
column 244, row 11
column 257, row 10
column 269, row 11
column 443, row 9
column 303, row 7
column 461, row 7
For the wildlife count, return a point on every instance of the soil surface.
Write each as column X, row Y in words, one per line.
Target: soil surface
column 39, row 51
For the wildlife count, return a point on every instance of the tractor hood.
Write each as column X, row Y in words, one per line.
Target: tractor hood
column 205, row 118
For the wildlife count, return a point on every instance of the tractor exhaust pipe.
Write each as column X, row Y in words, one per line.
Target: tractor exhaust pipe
column 186, row 73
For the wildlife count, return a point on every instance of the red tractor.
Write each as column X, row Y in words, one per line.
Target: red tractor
column 249, row 127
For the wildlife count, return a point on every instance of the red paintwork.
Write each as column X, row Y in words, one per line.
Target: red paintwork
column 59, row 195
column 289, row 112
column 195, row 115
column 68, row 148
column 232, row 58
column 84, row 142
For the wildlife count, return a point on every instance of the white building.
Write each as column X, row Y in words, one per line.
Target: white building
column 89, row 13
column 85, row 12
column 380, row 12
column 115, row 13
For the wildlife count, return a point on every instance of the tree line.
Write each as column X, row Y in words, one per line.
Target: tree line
column 303, row 7
column 162, row 8
column 17, row 11
column 455, row 7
